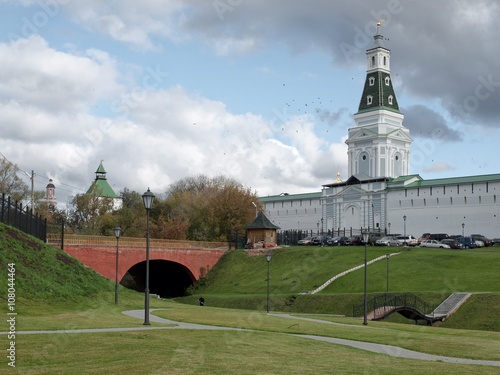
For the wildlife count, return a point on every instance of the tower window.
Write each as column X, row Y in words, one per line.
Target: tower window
column 373, row 60
column 387, row 80
column 369, row 99
column 385, row 60
column 390, row 99
column 371, row 81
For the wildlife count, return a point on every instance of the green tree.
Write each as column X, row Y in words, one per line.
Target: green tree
column 211, row 206
column 86, row 213
column 10, row 183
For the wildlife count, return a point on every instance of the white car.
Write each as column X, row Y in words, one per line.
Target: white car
column 387, row 241
column 410, row 241
column 434, row 243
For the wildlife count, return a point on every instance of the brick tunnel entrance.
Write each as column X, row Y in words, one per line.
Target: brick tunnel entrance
column 166, row 279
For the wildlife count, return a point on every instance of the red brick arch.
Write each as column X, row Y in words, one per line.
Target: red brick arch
column 102, row 259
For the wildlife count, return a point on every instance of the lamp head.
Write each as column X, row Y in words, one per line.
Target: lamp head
column 118, row 231
column 366, row 235
column 268, row 257
column 148, row 198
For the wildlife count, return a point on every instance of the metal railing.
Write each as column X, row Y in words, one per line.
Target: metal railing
column 15, row 215
column 384, row 303
column 291, row 237
column 83, row 240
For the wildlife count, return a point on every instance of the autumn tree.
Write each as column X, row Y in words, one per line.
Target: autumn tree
column 211, row 206
column 87, row 213
column 10, row 183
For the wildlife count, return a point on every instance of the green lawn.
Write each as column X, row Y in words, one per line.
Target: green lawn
column 55, row 291
column 228, row 352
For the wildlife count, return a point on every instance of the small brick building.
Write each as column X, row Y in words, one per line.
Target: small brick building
column 262, row 230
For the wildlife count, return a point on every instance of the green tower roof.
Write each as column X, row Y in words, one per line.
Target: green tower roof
column 378, row 86
column 101, row 186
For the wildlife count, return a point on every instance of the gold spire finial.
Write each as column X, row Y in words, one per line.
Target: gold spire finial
column 380, row 20
column 338, row 175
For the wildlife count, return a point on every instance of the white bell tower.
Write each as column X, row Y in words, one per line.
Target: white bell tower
column 379, row 144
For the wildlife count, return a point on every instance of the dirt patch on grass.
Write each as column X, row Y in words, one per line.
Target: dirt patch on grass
column 65, row 259
column 18, row 236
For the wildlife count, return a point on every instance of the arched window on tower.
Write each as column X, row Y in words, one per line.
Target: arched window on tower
column 398, row 165
column 385, row 61
column 371, row 81
column 387, row 80
column 373, row 60
column 389, row 99
column 369, row 99
column 364, row 163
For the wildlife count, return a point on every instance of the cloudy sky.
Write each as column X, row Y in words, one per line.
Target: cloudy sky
column 261, row 91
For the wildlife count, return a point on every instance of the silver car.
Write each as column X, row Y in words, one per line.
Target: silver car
column 434, row 244
column 387, row 241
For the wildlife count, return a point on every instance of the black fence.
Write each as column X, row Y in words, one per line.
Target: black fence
column 292, row 237
column 22, row 218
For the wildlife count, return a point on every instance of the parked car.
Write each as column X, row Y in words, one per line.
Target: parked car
column 438, row 236
column 423, row 237
column 320, row 240
column 409, row 240
column 354, row 241
column 387, row 241
column 468, row 242
column 480, row 237
column 453, row 243
column 374, row 237
column 434, row 244
column 337, row 241
column 305, row 241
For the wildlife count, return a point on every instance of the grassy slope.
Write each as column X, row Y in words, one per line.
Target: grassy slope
column 44, row 272
column 239, row 280
column 56, row 291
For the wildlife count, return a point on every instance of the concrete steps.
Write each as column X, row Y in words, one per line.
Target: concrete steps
column 450, row 305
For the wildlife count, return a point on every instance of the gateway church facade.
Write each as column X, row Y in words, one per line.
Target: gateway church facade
column 380, row 193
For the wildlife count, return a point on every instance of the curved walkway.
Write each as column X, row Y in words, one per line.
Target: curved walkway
column 390, row 350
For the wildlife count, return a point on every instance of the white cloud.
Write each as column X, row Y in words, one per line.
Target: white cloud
column 34, row 74
column 129, row 22
column 438, row 167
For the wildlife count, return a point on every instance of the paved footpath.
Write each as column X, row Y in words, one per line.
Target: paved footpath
column 390, row 350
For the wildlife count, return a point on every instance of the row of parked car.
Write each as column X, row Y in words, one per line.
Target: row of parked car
column 442, row 240
column 374, row 239
column 437, row 240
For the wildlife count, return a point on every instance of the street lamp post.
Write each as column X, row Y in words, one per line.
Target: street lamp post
column 147, row 198
column 463, row 229
column 389, row 225
column 321, row 225
column 387, row 256
column 268, row 258
column 118, row 231
column 404, row 220
column 256, row 209
column 366, row 236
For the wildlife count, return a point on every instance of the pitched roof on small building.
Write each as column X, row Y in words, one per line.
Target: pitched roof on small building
column 262, row 222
